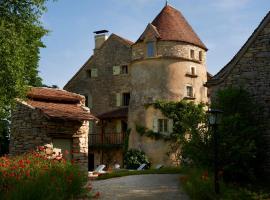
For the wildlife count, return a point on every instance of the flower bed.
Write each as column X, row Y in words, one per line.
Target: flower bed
column 35, row 175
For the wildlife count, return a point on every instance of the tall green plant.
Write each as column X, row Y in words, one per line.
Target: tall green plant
column 240, row 136
column 20, row 41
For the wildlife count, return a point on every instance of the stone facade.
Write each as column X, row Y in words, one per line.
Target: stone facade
column 102, row 90
column 250, row 69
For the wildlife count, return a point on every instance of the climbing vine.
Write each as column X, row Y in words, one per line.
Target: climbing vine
column 187, row 118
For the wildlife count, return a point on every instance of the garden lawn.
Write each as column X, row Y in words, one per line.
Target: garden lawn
column 125, row 172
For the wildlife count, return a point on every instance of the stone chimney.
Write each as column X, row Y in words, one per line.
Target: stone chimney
column 100, row 37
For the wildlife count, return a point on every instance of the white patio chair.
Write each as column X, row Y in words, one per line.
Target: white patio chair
column 142, row 166
column 159, row 166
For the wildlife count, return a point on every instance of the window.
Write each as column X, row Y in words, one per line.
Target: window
column 163, row 125
column 120, row 70
column 92, row 72
column 122, row 99
column 189, row 89
column 200, row 55
column 192, row 54
column 126, row 98
column 193, row 70
column 150, row 49
column 124, row 69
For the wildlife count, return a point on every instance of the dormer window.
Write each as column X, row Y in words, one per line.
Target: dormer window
column 150, row 49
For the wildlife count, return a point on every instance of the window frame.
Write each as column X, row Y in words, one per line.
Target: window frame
column 124, row 69
column 192, row 53
column 125, row 99
column 191, row 71
column 200, row 56
column 187, row 91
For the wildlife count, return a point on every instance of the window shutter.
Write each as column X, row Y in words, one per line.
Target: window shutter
column 90, row 101
column 94, row 72
column 118, row 99
column 116, row 70
column 118, row 126
column 170, row 125
column 91, row 127
column 155, row 125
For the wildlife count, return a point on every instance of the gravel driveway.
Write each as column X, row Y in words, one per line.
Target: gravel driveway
column 147, row 187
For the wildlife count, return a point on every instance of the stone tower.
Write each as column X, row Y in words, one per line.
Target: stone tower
column 168, row 63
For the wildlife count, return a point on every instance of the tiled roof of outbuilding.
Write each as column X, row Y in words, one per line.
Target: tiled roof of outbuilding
column 51, row 94
column 60, row 104
column 172, row 26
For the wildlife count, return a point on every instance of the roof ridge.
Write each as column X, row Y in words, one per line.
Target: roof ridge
column 228, row 67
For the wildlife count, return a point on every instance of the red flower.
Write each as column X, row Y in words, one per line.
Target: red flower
column 97, row 195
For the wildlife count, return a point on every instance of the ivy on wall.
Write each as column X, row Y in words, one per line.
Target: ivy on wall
column 143, row 131
column 186, row 116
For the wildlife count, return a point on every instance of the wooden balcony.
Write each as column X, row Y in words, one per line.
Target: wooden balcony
column 106, row 139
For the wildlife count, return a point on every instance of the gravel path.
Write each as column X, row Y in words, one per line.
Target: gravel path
column 146, row 187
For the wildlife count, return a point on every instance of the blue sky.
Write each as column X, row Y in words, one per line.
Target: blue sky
column 223, row 25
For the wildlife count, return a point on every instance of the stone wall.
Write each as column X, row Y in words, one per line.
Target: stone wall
column 30, row 129
column 252, row 72
column 170, row 49
column 103, row 89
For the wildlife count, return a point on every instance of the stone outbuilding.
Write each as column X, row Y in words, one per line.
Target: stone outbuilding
column 250, row 69
column 51, row 116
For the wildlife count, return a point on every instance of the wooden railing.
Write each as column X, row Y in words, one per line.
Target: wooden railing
column 106, row 139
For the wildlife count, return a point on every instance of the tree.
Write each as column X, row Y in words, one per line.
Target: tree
column 20, row 41
column 240, row 134
column 239, row 138
column 4, row 137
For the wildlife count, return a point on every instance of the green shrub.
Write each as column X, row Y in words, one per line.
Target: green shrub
column 239, row 138
column 199, row 185
column 134, row 158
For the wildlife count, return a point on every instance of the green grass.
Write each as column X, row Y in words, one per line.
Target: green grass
column 200, row 188
column 125, row 172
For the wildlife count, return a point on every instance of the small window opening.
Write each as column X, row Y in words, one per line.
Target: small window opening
column 200, row 55
column 126, row 98
column 192, row 53
column 124, row 69
column 163, row 125
column 189, row 91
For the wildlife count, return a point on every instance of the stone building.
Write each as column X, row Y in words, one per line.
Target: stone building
column 51, row 116
column 250, row 69
column 167, row 62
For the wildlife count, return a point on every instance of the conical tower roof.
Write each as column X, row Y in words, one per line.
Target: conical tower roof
column 172, row 26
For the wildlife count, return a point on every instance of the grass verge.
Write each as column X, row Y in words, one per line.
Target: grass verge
column 125, row 172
